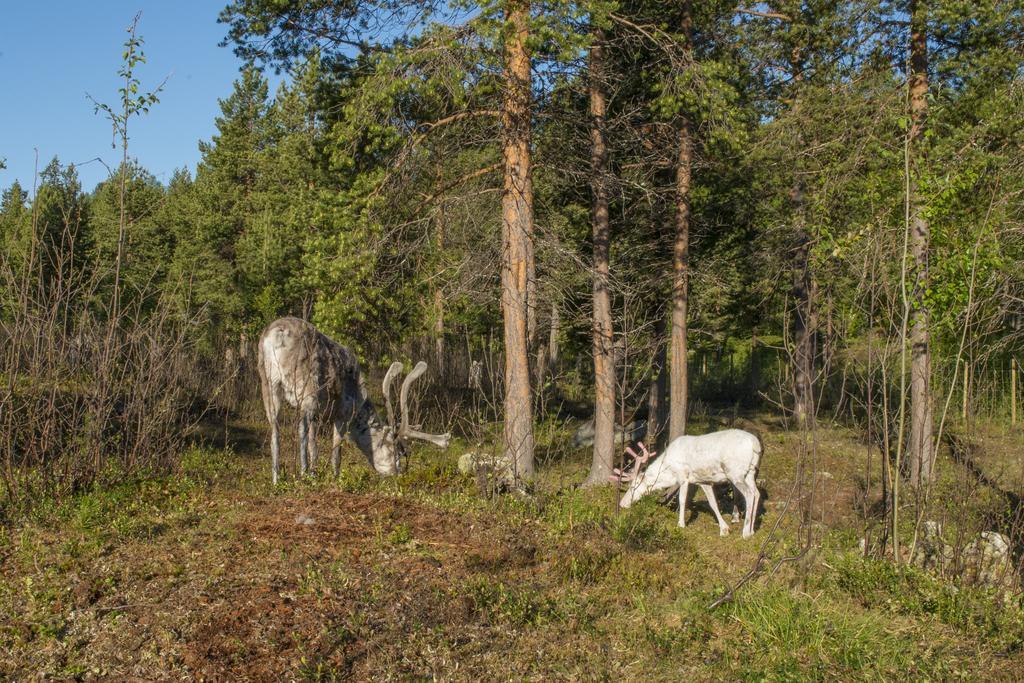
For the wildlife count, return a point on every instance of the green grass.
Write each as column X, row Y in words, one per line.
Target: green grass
column 788, row 636
column 516, row 605
column 972, row 610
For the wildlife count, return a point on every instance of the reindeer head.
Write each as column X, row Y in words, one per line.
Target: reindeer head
column 390, row 442
column 657, row 476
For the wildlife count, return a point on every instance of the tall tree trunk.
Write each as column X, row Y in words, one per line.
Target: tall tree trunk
column 531, row 286
column 439, row 301
column 922, row 456
column 804, row 320
column 678, row 375
column 803, row 324
column 680, row 287
column 546, row 354
column 604, row 360
column 656, row 399
column 554, row 330
column 517, row 232
column 539, row 377
column 439, row 331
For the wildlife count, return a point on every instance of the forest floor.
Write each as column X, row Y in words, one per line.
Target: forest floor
column 211, row 573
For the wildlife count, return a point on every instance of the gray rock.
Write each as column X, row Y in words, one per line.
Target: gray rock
column 493, row 472
column 467, row 462
column 487, row 466
column 987, row 557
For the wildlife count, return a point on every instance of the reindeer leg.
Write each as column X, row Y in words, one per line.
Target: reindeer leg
column 709, row 491
column 750, row 497
column 275, row 446
column 303, row 443
column 753, row 498
column 683, row 490
column 273, row 406
column 339, row 433
column 314, row 451
column 736, row 504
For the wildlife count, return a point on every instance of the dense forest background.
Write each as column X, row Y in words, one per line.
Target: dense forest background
column 817, row 205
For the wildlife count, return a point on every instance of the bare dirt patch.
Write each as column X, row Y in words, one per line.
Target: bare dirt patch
column 353, row 573
column 251, row 587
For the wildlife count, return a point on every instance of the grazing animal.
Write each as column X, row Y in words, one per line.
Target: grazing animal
column 732, row 455
column 584, row 436
column 318, row 376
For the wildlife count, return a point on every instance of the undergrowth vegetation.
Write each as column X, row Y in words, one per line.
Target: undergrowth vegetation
column 211, row 571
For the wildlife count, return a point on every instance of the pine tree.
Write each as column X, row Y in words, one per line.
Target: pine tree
column 15, row 224
column 226, row 190
column 147, row 248
column 271, row 253
column 15, row 219
column 56, row 247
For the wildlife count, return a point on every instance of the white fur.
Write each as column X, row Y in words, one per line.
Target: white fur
column 732, row 455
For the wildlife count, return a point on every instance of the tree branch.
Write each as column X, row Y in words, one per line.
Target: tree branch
column 455, row 183
column 763, row 15
column 454, row 118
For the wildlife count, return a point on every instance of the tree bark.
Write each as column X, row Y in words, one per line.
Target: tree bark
column 439, row 347
column 678, row 375
column 804, row 320
column 922, row 456
column 680, row 288
column 546, row 354
column 553, row 334
column 656, row 399
column 803, row 324
column 517, row 232
column 603, row 338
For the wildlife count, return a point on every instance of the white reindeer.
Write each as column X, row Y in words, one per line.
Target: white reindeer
column 732, row 455
column 318, row 376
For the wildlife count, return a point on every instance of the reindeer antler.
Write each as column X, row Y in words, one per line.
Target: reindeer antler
column 647, row 454
column 403, row 396
column 405, row 431
column 638, row 460
column 389, row 377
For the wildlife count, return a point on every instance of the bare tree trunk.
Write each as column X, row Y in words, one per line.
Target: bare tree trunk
column 517, row 251
column 755, row 367
column 680, row 288
column 553, row 332
column 804, row 320
column 439, row 331
column 546, row 354
column 531, row 285
column 439, row 302
column 540, row 366
column 656, row 399
column 604, row 360
column 922, row 456
column 681, row 262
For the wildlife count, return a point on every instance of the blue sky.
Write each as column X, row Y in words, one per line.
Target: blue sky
column 54, row 51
